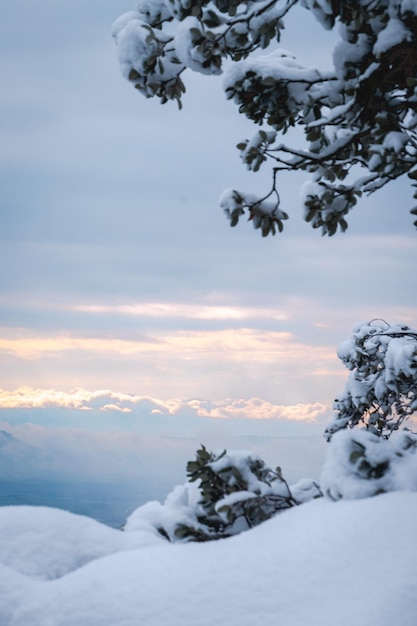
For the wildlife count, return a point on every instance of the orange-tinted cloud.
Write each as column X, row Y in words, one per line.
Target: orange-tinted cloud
column 215, row 363
column 257, row 408
column 230, row 343
column 107, row 400
column 184, row 311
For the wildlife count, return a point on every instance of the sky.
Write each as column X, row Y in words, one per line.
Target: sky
column 127, row 303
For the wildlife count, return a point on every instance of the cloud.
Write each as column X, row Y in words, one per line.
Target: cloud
column 27, row 397
column 115, row 407
column 107, row 400
column 256, row 408
column 184, row 311
column 231, row 343
column 38, row 347
column 152, row 462
column 211, row 363
column 57, row 453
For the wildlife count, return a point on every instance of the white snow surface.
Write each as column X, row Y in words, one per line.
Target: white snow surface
column 341, row 476
column 279, row 65
column 187, row 52
column 322, row 563
column 394, row 34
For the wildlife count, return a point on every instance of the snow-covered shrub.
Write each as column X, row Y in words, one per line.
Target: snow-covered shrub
column 380, row 394
column 360, row 464
column 381, row 391
column 229, row 492
column 226, row 493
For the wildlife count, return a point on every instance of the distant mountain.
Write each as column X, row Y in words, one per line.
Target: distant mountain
column 6, row 438
column 16, row 457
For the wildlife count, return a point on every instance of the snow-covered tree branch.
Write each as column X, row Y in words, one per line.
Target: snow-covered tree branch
column 359, row 119
column 226, row 493
column 381, row 391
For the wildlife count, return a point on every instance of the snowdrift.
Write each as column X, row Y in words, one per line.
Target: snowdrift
column 320, row 564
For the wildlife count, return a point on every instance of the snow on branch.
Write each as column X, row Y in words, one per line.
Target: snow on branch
column 227, row 492
column 381, row 391
column 358, row 120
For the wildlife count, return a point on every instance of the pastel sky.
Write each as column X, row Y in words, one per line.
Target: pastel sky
column 124, row 292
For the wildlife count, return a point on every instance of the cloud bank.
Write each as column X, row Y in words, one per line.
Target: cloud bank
column 107, row 400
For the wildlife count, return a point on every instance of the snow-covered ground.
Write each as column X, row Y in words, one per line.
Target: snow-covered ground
column 324, row 563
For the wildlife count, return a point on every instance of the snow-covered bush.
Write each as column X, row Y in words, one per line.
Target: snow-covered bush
column 358, row 118
column 381, row 391
column 233, row 491
column 360, row 464
column 226, row 493
column 380, row 394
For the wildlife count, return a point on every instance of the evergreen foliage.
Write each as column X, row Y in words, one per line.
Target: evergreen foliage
column 359, row 119
column 229, row 492
column 381, row 391
column 238, row 491
column 360, row 464
column 226, row 493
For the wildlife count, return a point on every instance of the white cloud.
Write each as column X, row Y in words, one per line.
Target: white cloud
column 209, row 363
column 149, row 455
column 256, row 408
column 107, row 400
column 184, row 311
